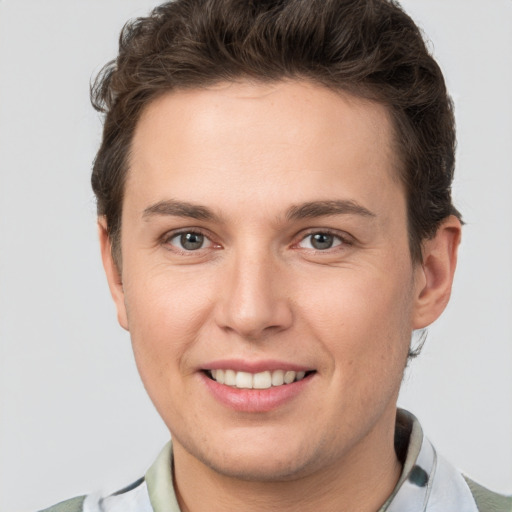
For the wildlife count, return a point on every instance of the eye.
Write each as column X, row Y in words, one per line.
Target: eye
column 320, row 241
column 189, row 241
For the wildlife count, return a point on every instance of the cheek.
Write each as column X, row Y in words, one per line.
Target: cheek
column 165, row 314
column 363, row 321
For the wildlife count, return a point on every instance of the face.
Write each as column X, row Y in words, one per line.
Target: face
column 266, row 276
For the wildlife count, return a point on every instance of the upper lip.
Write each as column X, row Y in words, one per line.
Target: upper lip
column 254, row 366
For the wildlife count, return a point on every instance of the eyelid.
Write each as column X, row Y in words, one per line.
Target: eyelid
column 166, row 238
column 345, row 238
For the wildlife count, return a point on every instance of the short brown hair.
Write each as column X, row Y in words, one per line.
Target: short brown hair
column 369, row 48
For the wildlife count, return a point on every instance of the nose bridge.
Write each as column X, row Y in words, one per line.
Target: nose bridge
column 254, row 300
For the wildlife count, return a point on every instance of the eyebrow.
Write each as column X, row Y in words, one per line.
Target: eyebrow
column 179, row 209
column 307, row 210
column 315, row 209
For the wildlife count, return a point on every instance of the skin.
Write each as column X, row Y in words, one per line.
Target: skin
column 252, row 154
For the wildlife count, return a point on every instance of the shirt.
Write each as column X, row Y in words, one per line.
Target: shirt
column 428, row 483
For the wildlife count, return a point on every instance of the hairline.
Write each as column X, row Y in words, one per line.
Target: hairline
column 361, row 91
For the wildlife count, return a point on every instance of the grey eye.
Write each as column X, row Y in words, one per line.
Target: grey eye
column 189, row 241
column 322, row 241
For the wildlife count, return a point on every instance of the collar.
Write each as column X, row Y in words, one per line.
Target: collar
column 428, row 483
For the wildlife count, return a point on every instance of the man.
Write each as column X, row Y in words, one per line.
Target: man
column 275, row 220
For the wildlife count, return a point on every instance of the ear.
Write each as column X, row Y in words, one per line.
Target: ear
column 434, row 276
column 112, row 272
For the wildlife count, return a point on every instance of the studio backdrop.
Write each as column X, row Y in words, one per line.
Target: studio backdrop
column 74, row 416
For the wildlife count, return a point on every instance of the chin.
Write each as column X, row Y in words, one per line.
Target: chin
column 248, row 462
column 256, row 470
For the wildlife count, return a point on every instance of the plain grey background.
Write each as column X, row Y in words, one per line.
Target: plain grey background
column 73, row 414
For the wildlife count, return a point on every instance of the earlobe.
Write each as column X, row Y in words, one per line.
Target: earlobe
column 112, row 272
column 435, row 274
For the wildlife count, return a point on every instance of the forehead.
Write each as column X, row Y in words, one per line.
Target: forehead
column 290, row 135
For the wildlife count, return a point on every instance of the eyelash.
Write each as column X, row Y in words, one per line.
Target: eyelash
column 168, row 237
column 343, row 240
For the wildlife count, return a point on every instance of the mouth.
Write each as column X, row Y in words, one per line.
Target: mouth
column 261, row 380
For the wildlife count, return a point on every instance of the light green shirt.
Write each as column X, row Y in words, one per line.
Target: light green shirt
column 428, row 483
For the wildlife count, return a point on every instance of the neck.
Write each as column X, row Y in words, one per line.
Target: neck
column 343, row 486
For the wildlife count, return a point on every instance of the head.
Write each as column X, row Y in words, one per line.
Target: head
column 274, row 199
column 368, row 48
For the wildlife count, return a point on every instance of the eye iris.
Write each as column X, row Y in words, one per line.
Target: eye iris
column 191, row 241
column 322, row 241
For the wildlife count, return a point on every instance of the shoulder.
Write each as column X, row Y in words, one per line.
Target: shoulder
column 430, row 483
column 72, row 505
column 488, row 501
column 132, row 498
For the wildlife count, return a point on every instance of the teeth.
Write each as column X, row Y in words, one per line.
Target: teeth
column 219, row 376
column 289, row 377
column 278, row 378
column 229, row 377
column 243, row 380
column 262, row 380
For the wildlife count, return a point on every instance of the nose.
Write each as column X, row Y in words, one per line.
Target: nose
column 253, row 302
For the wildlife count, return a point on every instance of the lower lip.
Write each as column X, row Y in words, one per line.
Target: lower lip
column 256, row 400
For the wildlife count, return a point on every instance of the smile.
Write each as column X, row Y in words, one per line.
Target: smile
column 261, row 380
